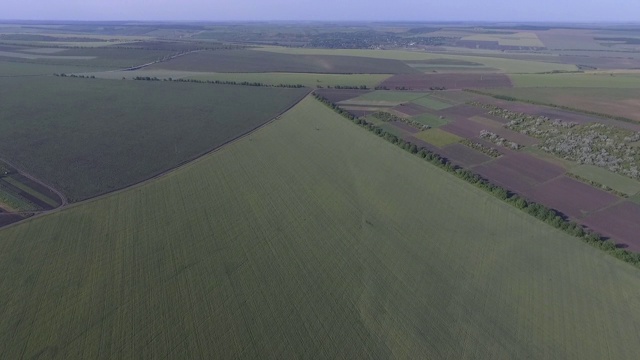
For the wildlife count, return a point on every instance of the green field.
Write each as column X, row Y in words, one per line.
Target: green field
column 90, row 136
column 615, row 181
column 306, row 79
column 97, row 58
column 271, row 249
column 438, row 137
column 33, row 192
column 392, row 96
column 244, row 61
column 13, row 202
column 311, row 80
column 510, row 66
column 580, row 80
column 431, row 103
column 431, row 120
column 610, row 101
column 18, row 68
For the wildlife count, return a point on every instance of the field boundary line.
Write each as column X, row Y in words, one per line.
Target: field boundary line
column 179, row 166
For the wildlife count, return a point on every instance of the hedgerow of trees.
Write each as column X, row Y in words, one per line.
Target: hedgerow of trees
column 541, row 212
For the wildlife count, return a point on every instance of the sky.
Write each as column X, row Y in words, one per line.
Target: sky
column 333, row 10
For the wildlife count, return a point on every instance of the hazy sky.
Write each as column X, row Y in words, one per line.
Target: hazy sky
column 428, row 10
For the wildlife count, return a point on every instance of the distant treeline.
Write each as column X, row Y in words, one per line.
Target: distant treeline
column 220, row 82
column 250, row 83
column 562, row 107
column 169, row 48
column 75, row 76
column 345, row 87
column 541, row 212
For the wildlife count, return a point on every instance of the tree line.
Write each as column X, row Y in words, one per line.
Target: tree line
column 541, row 212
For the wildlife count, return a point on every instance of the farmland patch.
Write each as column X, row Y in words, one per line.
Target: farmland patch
column 431, row 120
column 411, row 109
column 447, row 81
column 610, row 101
column 432, row 103
column 463, row 155
column 607, row 178
column 571, row 197
column 619, row 222
column 519, row 172
column 306, row 79
column 246, row 61
column 506, row 65
column 438, row 137
column 266, row 259
column 336, row 96
column 143, row 129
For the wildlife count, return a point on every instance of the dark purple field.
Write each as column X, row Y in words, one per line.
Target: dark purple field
column 463, row 155
column 571, row 197
column 335, row 95
column 411, row 109
column 448, row 81
column 519, row 172
column 507, row 178
column 620, row 222
column 406, row 127
column 422, row 144
column 6, row 218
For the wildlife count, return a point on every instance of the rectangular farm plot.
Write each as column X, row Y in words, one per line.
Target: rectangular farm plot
column 406, row 127
column 463, row 155
column 470, row 129
column 486, row 121
column 615, row 181
column 46, row 202
column 572, row 197
column 432, row 103
column 411, row 109
column 447, row 81
column 619, row 222
column 462, row 111
column 519, row 172
column 393, row 130
column 431, row 120
column 438, row 137
column 337, row 95
column 385, row 95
